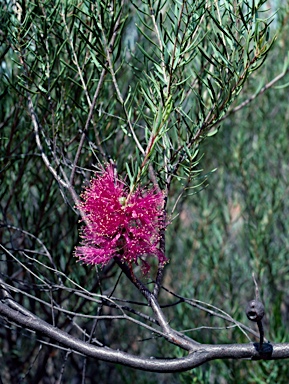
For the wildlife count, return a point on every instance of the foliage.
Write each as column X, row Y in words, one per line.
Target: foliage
column 142, row 84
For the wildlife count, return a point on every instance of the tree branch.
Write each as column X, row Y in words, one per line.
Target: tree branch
column 204, row 353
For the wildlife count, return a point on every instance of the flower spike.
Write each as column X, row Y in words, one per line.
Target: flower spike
column 120, row 224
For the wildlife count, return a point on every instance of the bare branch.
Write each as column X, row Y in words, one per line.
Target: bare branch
column 39, row 145
column 262, row 90
column 200, row 356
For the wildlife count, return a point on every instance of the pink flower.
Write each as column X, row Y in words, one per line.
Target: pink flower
column 120, row 224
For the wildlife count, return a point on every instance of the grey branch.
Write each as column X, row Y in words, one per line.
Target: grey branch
column 203, row 354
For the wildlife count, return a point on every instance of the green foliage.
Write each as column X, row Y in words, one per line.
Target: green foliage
column 154, row 77
column 143, row 84
column 239, row 226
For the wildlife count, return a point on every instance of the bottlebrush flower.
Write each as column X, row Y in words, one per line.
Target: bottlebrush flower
column 119, row 223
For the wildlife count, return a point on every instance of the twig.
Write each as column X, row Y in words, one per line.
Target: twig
column 262, row 90
column 91, row 110
column 119, row 95
column 214, row 312
column 39, row 145
column 76, row 62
